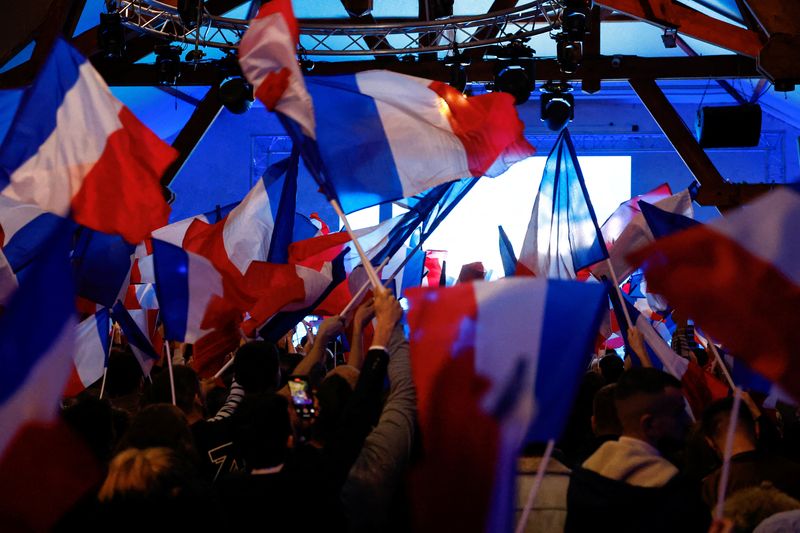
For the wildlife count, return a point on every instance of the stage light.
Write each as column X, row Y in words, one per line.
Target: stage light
column 111, row 36
column 670, row 38
column 189, row 12
column 168, row 64
column 569, row 53
column 236, row 95
column 557, row 105
column 457, row 62
column 514, row 70
column 573, row 18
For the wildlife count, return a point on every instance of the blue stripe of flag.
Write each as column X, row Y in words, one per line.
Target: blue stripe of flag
column 136, row 337
column 101, row 262
column 103, row 322
column 35, row 120
column 663, row 223
column 171, row 269
column 27, row 243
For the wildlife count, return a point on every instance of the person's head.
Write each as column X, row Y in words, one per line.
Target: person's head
column 187, row 389
column 650, row 407
column 332, row 397
column 716, row 419
column 257, row 367
column 604, row 412
column 263, row 430
column 124, row 375
column 160, row 425
column 747, row 508
column 141, row 474
column 93, row 419
column 611, row 367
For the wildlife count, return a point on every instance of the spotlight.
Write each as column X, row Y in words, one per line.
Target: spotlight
column 111, row 35
column 168, row 64
column 457, row 62
column 670, row 38
column 569, row 53
column 514, row 70
column 236, row 95
column 573, row 18
column 557, row 105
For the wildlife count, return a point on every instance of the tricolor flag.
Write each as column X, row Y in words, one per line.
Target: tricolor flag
column 663, row 222
column 90, row 356
column 138, row 328
column 479, row 401
column 637, row 234
column 44, row 467
column 623, row 215
column 75, row 149
column 563, row 236
column 739, row 278
column 507, row 255
column 383, row 136
column 187, row 285
column 24, row 228
column 102, row 266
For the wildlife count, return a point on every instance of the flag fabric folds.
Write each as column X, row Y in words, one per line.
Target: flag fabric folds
column 562, row 236
column 90, row 356
column 136, row 327
column 187, row 286
column 637, row 234
column 44, row 467
column 507, row 255
column 478, row 401
column 102, row 266
column 25, row 229
column 73, row 148
column 739, row 278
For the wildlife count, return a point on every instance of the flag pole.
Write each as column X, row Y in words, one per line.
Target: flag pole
column 726, row 461
column 537, row 482
column 371, row 274
column 722, row 366
column 105, row 366
column 360, row 294
column 169, row 367
column 225, row 367
column 103, row 383
column 619, row 292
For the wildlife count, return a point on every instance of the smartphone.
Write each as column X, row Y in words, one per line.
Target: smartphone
column 302, row 399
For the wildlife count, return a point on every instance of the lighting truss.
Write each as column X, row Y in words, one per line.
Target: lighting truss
column 520, row 23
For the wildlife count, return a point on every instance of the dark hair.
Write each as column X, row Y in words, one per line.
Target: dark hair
column 604, row 411
column 187, row 386
column 719, row 411
column 160, row 425
column 611, row 367
column 93, row 419
column 701, row 355
column 262, row 428
column 643, row 381
column 256, row 366
column 333, row 395
column 124, row 374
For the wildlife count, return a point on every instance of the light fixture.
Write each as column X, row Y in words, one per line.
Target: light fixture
column 111, row 36
column 514, row 70
column 557, row 105
column 573, row 18
column 670, row 38
column 168, row 64
column 189, row 12
column 457, row 62
column 569, row 53
column 236, row 95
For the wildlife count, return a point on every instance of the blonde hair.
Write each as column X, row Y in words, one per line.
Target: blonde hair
column 136, row 472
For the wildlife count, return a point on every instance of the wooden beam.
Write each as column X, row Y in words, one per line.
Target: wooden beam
column 193, row 132
column 695, row 158
column 19, row 29
column 775, row 16
column 668, row 14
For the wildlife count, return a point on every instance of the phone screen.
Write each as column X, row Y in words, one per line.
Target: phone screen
column 300, row 392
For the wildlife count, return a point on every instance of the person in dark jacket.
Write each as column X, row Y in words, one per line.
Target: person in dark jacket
column 628, row 485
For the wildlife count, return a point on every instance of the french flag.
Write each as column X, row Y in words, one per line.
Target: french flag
column 187, row 285
column 408, row 134
column 102, row 265
column 637, row 234
column 44, row 467
column 623, row 215
column 73, row 148
column 479, row 402
column 90, row 356
column 739, row 278
column 25, row 229
column 139, row 326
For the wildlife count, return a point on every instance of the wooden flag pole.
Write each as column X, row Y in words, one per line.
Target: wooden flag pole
column 360, row 294
column 726, row 461
column 103, row 383
column 619, row 292
column 371, row 274
column 169, row 367
column 105, row 367
column 537, row 482
column 722, row 366
column 225, row 367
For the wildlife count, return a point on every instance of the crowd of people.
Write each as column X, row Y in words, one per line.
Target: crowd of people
column 253, row 449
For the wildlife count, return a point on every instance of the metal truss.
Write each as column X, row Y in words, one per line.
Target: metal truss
column 162, row 20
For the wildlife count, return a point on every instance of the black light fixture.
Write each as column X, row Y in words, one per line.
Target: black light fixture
column 189, row 12
column 514, row 70
column 569, row 53
column 573, row 18
column 557, row 105
column 457, row 62
column 236, row 95
column 168, row 64
column 670, row 38
column 111, row 36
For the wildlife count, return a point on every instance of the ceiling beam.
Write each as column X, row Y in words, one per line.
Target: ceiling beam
column 775, row 16
column 193, row 132
column 668, row 14
column 689, row 51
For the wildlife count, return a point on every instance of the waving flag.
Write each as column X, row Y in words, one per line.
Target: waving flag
column 637, row 234
column 384, row 136
column 507, row 254
column 90, row 356
column 663, row 222
column 738, row 275
column 562, row 235
column 187, row 286
column 25, row 230
column 138, row 329
column 44, row 467
column 699, row 387
column 102, row 266
column 623, row 215
column 75, row 149
column 479, row 402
